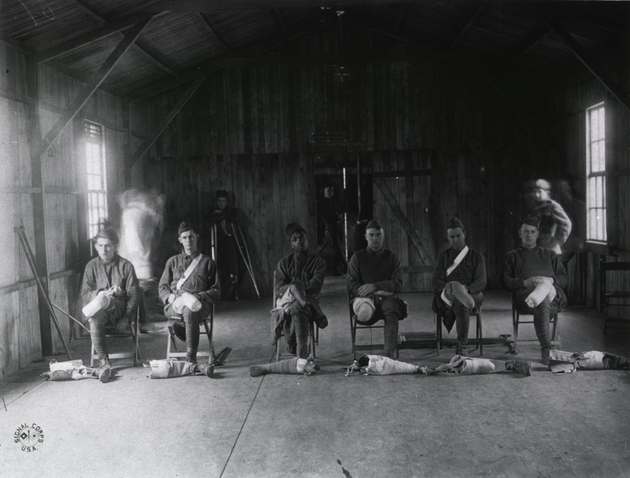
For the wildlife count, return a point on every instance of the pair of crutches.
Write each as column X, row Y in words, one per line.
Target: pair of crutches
column 243, row 250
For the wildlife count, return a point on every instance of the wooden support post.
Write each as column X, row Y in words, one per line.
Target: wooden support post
column 404, row 222
column 39, row 216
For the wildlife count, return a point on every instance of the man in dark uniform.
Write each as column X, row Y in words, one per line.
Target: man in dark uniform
column 374, row 278
column 458, row 280
column 298, row 280
column 188, row 287
column 110, row 291
column 228, row 256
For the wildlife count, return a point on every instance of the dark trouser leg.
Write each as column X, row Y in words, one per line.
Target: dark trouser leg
column 462, row 322
column 97, row 333
column 392, row 311
column 301, row 321
column 542, row 313
column 390, row 335
column 191, row 321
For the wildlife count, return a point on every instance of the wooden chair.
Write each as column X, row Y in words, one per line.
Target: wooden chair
column 617, row 297
column 516, row 322
column 356, row 326
column 135, row 353
column 478, row 330
column 206, row 328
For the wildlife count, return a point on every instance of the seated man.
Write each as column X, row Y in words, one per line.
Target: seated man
column 458, row 279
column 188, row 287
column 374, row 278
column 110, row 292
column 535, row 277
column 298, row 280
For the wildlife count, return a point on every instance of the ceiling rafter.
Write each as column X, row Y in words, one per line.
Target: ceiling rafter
column 586, row 58
column 208, row 27
column 256, row 49
column 91, row 12
column 528, row 45
column 468, row 24
column 215, row 5
column 90, row 88
column 84, row 39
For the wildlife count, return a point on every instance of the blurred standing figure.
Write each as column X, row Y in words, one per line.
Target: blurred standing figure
column 331, row 214
column 555, row 224
column 228, row 257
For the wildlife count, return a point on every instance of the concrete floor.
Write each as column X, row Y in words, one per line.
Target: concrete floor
column 494, row 425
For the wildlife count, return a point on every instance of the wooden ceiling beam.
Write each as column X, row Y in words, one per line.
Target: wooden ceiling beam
column 89, row 89
column 215, row 5
column 86, row 38
column 528, row 45
column 166, row 120
column 587, row 60
column 468, row 24
column 91, row 12
column 208, row 27
column 257, row 49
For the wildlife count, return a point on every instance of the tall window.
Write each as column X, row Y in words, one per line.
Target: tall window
column 96, row 177
column 596, row 174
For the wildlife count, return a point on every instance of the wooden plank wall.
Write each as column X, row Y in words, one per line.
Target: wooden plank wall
column 567, row 118
column 63, row 176
column 441, row 115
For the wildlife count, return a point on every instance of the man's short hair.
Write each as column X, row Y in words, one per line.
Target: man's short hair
column 221, row 193
column 185, row 226
column 530, row 220
column 292, row 228
column 106, row 234
column 454, row 223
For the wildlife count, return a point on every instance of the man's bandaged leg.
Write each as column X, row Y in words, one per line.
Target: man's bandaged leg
column 364, row 309
column 457, row 291
column 186, row 300
column 544, row 289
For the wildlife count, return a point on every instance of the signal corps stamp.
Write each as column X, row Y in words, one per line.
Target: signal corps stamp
column 29, row 436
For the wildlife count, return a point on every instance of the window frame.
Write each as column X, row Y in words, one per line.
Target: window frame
column 596, row 177
column 95, row 176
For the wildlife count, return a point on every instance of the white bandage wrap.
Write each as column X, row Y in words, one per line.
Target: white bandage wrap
column 363, row 308
column 101, row 301
column 380, row 365
column 301, row 364
column 544, row 289
column 186, row 300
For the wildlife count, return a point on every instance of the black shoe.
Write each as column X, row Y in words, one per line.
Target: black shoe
column 179, row 329
column 105, row 374
column 461, row 350
column 519, row 366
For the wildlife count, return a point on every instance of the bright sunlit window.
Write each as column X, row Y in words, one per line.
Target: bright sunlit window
column 596, row 174
column 96, row 176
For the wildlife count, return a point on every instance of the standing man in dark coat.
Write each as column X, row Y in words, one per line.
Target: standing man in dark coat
column 458, row 280
column 298, row 280
column 110, row 291
column 374, row 278
column 229, row 261
column 536, row 277
column 188, row 287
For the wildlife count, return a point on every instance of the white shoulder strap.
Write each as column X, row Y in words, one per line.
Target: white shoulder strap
column 193, row 265
column 457, row 261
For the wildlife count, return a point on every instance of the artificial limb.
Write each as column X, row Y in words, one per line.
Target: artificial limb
column 175, row 368
column 295, row 366
column 75, row 370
